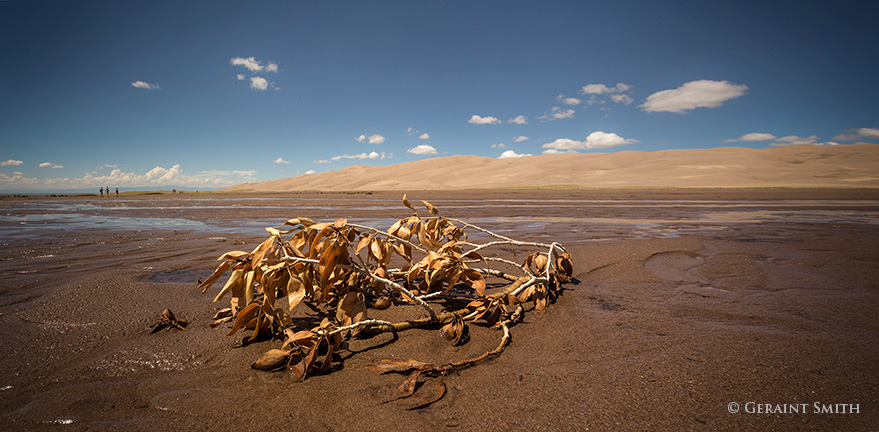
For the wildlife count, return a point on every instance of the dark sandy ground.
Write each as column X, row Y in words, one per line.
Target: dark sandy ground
column 744, row 296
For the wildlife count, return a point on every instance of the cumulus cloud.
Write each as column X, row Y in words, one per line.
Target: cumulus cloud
column 568, row 100
column 361, row 156
column 498, row 145
column 557, row 113
column 258, row 83
column 309, row 172
column 156, row 177
column 859, row 134
column 622, row 98
column 595, row 140
column 752, row 137
column 281, row 161
column 11, row 162
column 424, row 136
column 694, row 94
column 423, row 149
column 144, row 85
column 253, row 65
column 50, row 165
column 479, row 120
column 798, row 140
column 520, row 138
column 519, row 119
column 372, row 139
column 511, row 154
column 240, row 77
column 598, row 89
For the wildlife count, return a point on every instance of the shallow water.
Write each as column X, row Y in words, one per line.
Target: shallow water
column 590, row 219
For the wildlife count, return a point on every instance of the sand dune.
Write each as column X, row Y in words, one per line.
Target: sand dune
column 790, row 166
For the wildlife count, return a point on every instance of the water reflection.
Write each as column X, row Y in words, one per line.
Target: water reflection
column 585, row 219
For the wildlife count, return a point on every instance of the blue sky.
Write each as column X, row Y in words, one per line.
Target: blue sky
column 214, row 93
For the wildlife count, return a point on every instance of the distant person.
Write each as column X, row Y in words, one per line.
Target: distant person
column 117, row 192
column 102, row 191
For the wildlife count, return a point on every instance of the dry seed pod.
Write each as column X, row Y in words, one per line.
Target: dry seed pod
column 273, row 359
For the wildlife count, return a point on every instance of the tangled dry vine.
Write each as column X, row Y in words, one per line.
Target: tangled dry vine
column 342, row 270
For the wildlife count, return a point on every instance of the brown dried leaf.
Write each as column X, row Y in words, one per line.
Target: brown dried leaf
column 234, row 279
column 382, row 303
column 234, row 255
column 431, row 208
column 351, row 310
column 428, row 394
column 244, row 317
column 295, row 291
column 408, row 386
column 408, row 204
column 273, row 359
column 221, row 269
column 339, row 223
column 475, row 280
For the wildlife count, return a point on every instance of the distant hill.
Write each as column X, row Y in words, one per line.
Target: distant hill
column 789, row 166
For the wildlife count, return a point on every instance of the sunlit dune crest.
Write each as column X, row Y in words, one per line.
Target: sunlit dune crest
column 727, row 167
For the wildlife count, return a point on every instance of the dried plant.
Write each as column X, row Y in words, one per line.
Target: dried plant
column 343, row 270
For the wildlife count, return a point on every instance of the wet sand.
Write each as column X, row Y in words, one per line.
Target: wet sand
column 684, row 301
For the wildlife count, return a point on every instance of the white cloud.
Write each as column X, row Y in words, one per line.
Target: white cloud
column 520, row 138
column 258, row 83
column 621, row 98
column 144, row 85
column 511, row 154
column 11, row 162
column 240, row 77
column 752, row 137
column 423, row 149
column 281, row 161
column 519, row 119
column 253, row 65
column 309, row 172
column 156, row 177
column 424, row 136
column 597, row 89
column 568, row 100
column 595, row 140
column 859, row 134
column 498, row 145
column 361, row 156
column 694, row 94
column 372, row 139
column 555, row 151
column 50, row 165
column 557, row 113
column 18, row 173
column 798, row 140
column 479, row 120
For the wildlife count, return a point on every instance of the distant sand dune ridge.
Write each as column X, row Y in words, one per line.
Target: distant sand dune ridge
column 726, row 167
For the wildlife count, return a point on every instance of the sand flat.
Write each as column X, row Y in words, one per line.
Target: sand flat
column 685, row 301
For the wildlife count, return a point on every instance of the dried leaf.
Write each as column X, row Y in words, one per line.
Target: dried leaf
column 234, row 255
column 244, row 317
column 408, row 204
column 475, row 280
column 273, row 359
column 295, row 291
column 339, row 223
column 431, row 208
column 234, row 279
column 382, row 303
column 428, row 394
column 221, row 269
column 408, row 386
